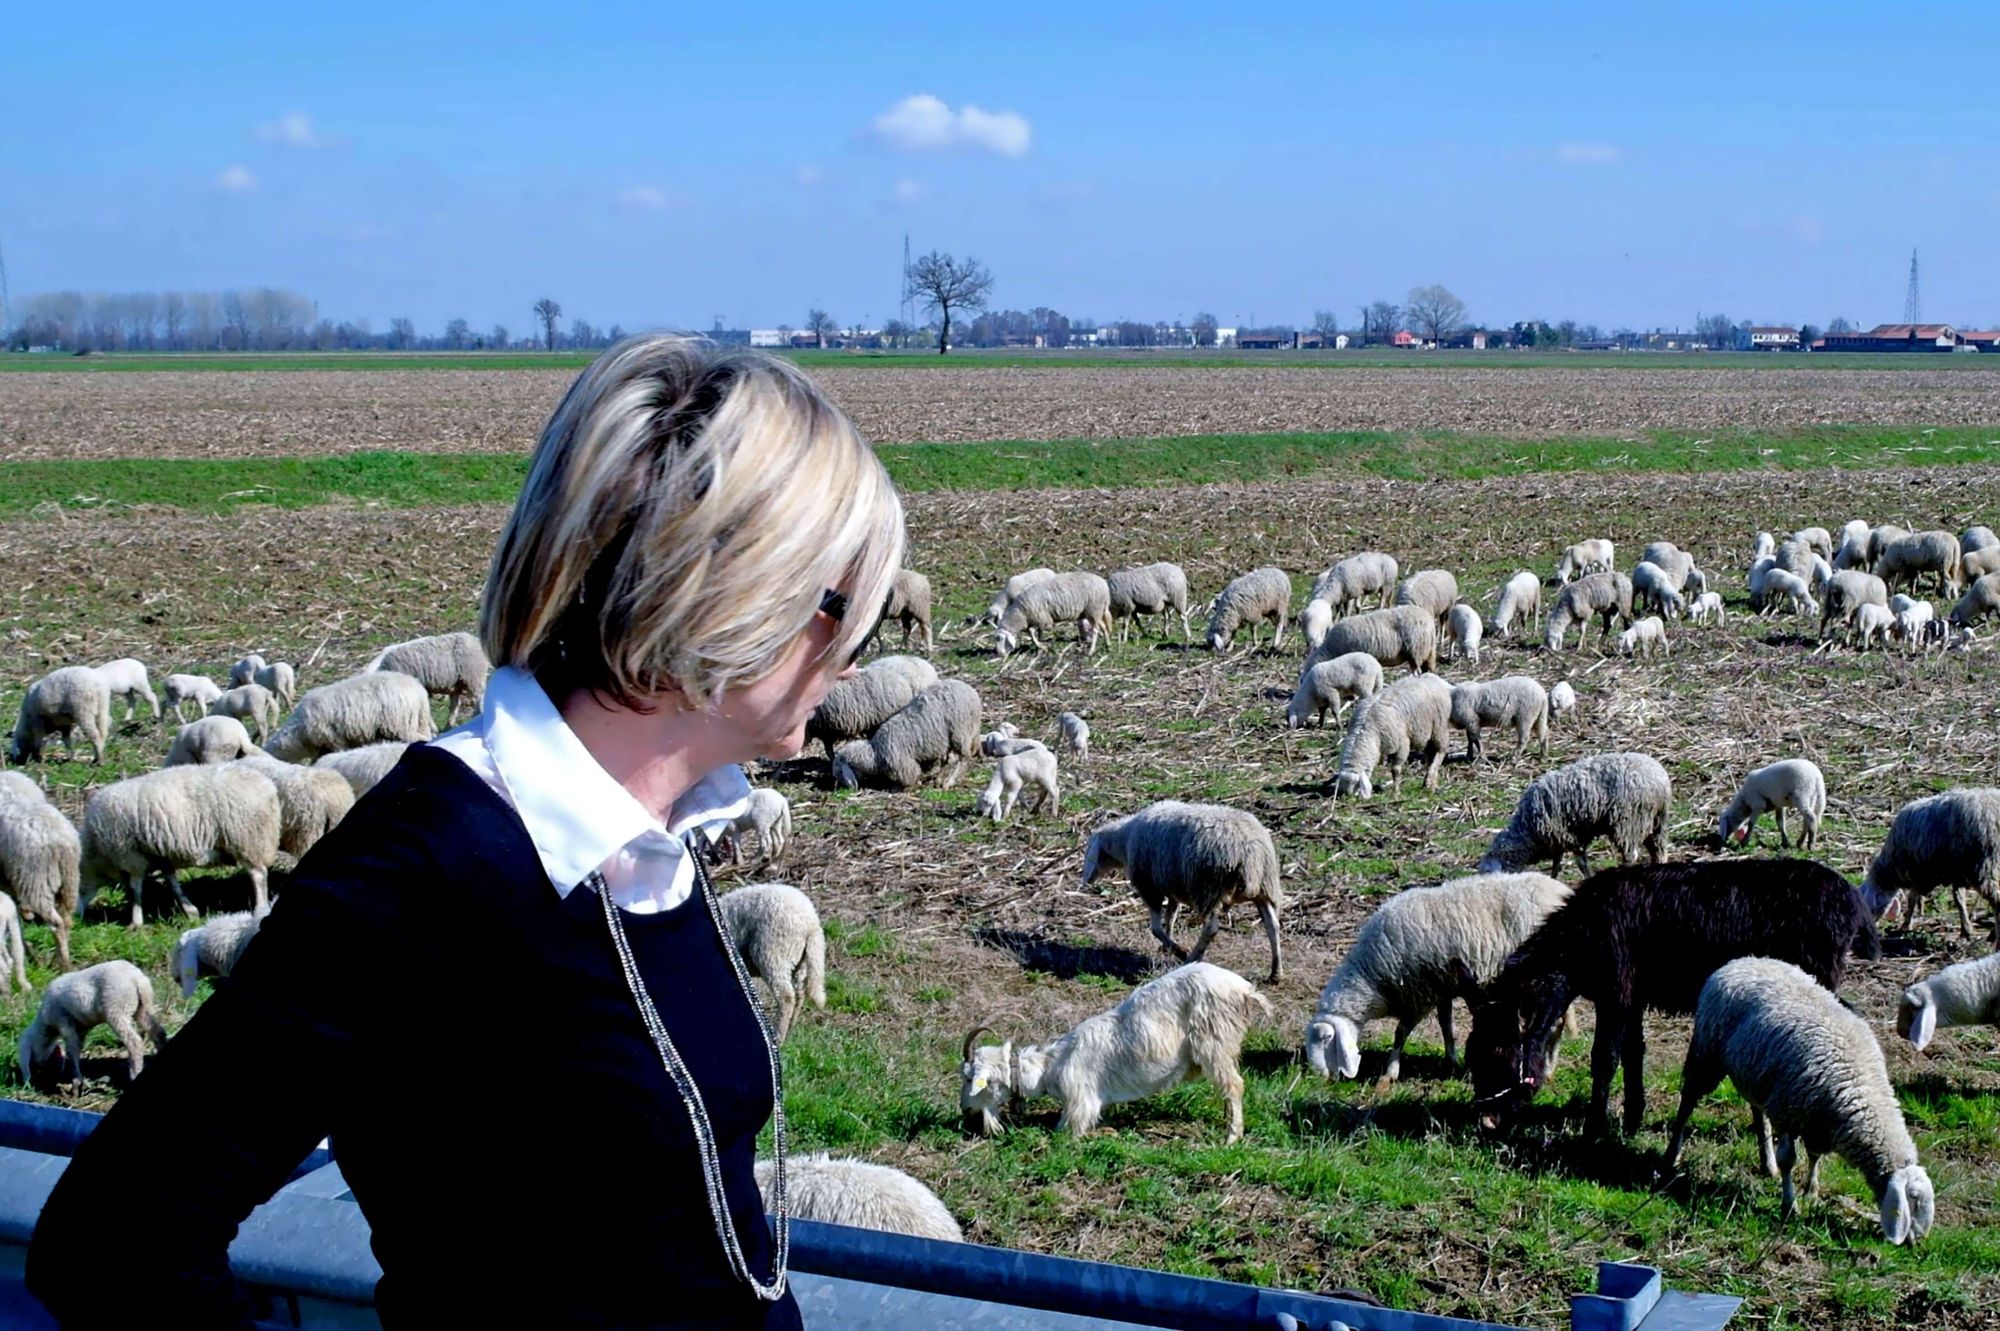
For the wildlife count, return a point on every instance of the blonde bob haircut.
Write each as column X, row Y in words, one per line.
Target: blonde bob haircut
column 685, row 511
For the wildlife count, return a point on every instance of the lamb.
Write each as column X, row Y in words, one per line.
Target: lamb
column 12, row 954
column 251, row 702
column 1007, row 739
column 245, row 671
column 1402, row 963
column 1908, row 558
column 1647, row 937
column 1076, row 735
column 197, row 689
column 1404, row 635
column 1202, row 856
column 40, row 855
column 1512, row 700
column 112, row 993
column 1791, row 783
column 1871, row 623
column 777, row 933
column 311, row 801
column 1520, row 598
column 1433, row 588
column 1330, row 684
column 1967, row 994
column 362, row 709
column 1848, row 590
column 1951, row 839
column 452, row 665
column 1463, row 627
column 1812, row 1072
column 365, row 766
column 1652, row 588
column 1706, row 608
column 176, row 818
column 1911, row 621
column 126, row 678
column 213, row 739
column 1256, row 596
column 1592, row 556
column 1189, row 1022
column 1765, row 546
column 909, row 604
column 855, row 706
column 767, row 813
column 1315, row 621
column 73, row 698
column 1082, row 597
column 1410, row 719
column 1645, row 638
column 937, row 730
column 1608, row 596
column 1621, row 796
column 1151, row 589
column 1031, row 767
column 1696, row 584
column 1797, row 595
column 1981, row 599
column 1014, row 586
column 1758, row 580
column 211, row 948
column 1816, row 539
column 1562, row 699
column 1852, row 549
column 282, row 680
column 1352, row 580
column 854, row 1192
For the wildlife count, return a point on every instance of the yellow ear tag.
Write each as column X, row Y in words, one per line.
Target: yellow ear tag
column 978, row 1084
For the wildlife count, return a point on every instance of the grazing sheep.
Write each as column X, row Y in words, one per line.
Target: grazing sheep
column 1352, row 580
column 1670, row 559
column 1908, row 558
column 1402, row 963
column 1191, row 1021
column 1433, row 588
column 452, row 665
column 1967, row 994
column 197, row 689
column 1202, row 856
column 1408, row 720
column 855, row 706
column 1646, row 937
column 1032, row 767
column 1562, row 699
column 282, row 680
column 1645, row 638
column 1403, row 635
column 311, row 801
column 211, row 948
column 1851, row 551
column 1076, row 735
column 1653, row 589
column 767, row 813
column 1706, row 608
column 937, row 730
column 1512, row 700
column 364, row 766
column 1981, row 599
column 245, row 671
column 1881, row 538
column 1812, row 1072
column 1791, row 783
column 1151, row 589
column 112, row 993
column 1261, row 594
column 1816, row 539
column 1910, row 621
column 213, row 739
column 1330, row 684
column 1796, row 557
column 1463, row 627
column 1620, row 796
column 1980, row 563
column 1013, row 587
column 362, row 709
column 1608, row 596
column 1315, row 621
column 1696, row 584
column 1592, row 556
column 1871, row 623
column 126, row 678
column 1790, row 586
column 854, row 1192
column 1082, row 597
column 73, row 698
column 1758, row 580
column 1520, row 599
column 1847, row 591
column 1977, row 538
column 909, row 604
column 13, row 956
column 39, row 858
column 249, row 702
column 777, row 933
column 1765, row 546
column 177, row 818
column 1951, row 840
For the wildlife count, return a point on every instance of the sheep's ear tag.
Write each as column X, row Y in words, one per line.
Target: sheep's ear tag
column 978, row 1084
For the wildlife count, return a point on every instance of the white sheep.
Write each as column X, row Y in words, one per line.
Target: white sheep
column 1967, row 994
column 249, row 702
column 13, row 956
column 281, row 679
column 348, row 713
column 1912, row 622
column 1796, row 594
column 365, row 766
column 1979, row 563
column 909, row 604
column 126, row 678
column 1259, row 595
column 1846, row 592
column 1035, row 767
column 1816, row 539
column 1076, row 596
column 1329, row 684
column 835, row 1191
column 1402, row 635
column 245, row 671
column 112, row 993
column 1562, row 700
column 1646, row 637
column 73, row 698
column 1707, row 608
column 1758, row 581
column 1190, row 1022
column 197, row 689
column 1908, row 558
column 1851, row 550
column 1434, row 589
column 40, row 857
column 1653, row 589
column 1405, row 962
column 936, row 732
column 1791, row 783
column 1592, row 556
column 1977, row 538
column 1981, row 599
column 1013, row 587
column 1622, row 796
column 1812, row 1073
column 177, row 818
column 1408, row 720
column 1076, row 735
column 1315, row 621
column 1206, row 857
column 1352, row 580
column 1951, row 839
column 212, row 739
column 1766, row 545
column 452, row 665
column 1463, row 627
column 767, row 813
column 1512, row 700
column 1604, row 596
column 1005, row 739
column 1871, row 623
column 777, row 933
column 1151, row 589
column 1520, row 599
column 854, row 707
column 311, row 801
column 211, row 948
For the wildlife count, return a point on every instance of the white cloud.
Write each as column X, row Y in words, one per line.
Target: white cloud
column 808, row 176
column 1588, row 154
column 294, row 129
column 650, row 198
column 909, row 191
column 237, row 179
column 923, row 123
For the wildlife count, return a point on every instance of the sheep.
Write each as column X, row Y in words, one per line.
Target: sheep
column 13, row 956
column 777, row 933
column 1670, row 559
column 1190, row 1021
column 1350, row 581
column 211, row 948
column 1403, row 635
column 112, row 993
column 282, row 680
column 1261, row 594
column 767, row 813
column 1151, row 589
column 909, row 604
column 1315, row 621
column 1520, row 598
column 1910, row 622
column 1652, row 588
column 1967, row 994
column 252, row 702
column 1203, row 856
column 176, row 818
column 1791, row 783
column 1433, row 588
column 1646, row 937
column 213, row 739
column 453, row 665
column 73, row 698
column 1707, row 607
column 1951, row 839
column 1645, row 638
column 1592, row 556
column 1979, row 563
column 1463, row 627
column 1977, row 538
column 1696, row 584
column 938, row 729
column 1812, row 1072
column 311, row 801
column 1881, row 538
column 126, row 678
column 854, row 1192
column 1758, row 579
column 1409, row 719
column 1795, row 557
column 362, row 709
column 1013, row 587
column 1908, row 558
column 1033, row 767
column 1816, row 539
column 245, row 671
column 1871, row 623
column 1764, row 546
column 365, row 766
column 1981, row 599
column 1608, row 596
column 855, row 706
column 40, row 857
column 1512, row 700
column 1562, row 699
column 1330, row 684
column 999, row 743
column 1401, row 964
column 1621, row 796
column 197, row 689
column 1851, row 550
column 1082, row 597
column 1076, row 735
column 1848, row 590
column 1793, row 588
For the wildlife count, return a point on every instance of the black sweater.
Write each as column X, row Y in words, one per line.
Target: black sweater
column 423, row 996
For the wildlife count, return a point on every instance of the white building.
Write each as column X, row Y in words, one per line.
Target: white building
column 770, row 337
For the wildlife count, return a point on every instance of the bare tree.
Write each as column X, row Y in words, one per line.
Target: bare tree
column 499, row 339
column 1838, row 325
column 174, row 313
column 945, row 284
column 1204, row 327
column 897, row 332
column 819, row 323
column 548, row 312
column 458, row 334
column 1435, row 311
column 1383, row 320
column 402, row 334
column 1327, row 325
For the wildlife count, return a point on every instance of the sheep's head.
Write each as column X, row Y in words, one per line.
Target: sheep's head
column 985, row 1083
column 1097, row 857
column 987, row 805
column 1333, row 1047
column 1503, row 1060
column 1217, row 640
column 1005, row 642
column 1916, row 1018
column 1732, row 823
column 38, row 1041
column 1353, row 785
column 844, row 775
column 1908, row 1203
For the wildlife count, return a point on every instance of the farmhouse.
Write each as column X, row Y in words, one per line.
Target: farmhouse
column 1262, row 341
column 1986, row 341
column 1894, row 337
column 1774, row 339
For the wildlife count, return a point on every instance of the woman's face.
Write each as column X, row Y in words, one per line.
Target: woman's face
column 772, row 713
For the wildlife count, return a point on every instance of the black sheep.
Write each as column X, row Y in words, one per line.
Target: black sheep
column 1649, row 936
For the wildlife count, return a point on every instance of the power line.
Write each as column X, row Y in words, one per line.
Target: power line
column 6, row 305
column 1913, row 302
column 909, row 315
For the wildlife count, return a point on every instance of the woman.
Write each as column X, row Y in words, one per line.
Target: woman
column 499, row 985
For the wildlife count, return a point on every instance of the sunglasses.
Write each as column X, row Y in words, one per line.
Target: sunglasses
column 834, row 605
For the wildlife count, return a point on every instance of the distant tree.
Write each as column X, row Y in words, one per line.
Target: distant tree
column 616, row 333
column 402, row 334
column 581, row 334
column 174, row 313
column 897, row 332
column 1204, row 327
column 235, row 330
column 1435, row 312
column 1567, row 332
column 325, row 336
column 499, row 339
column 1807, row 335
column 1838, row 325
column 1050, row 325
column 819, row 323
column 458, row 335
column 1384, row 321
column 1718, row 330
column 945, row 284
column 1326, row 324
column 548, row 312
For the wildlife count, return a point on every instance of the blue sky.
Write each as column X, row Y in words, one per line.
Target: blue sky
column 658, row 164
